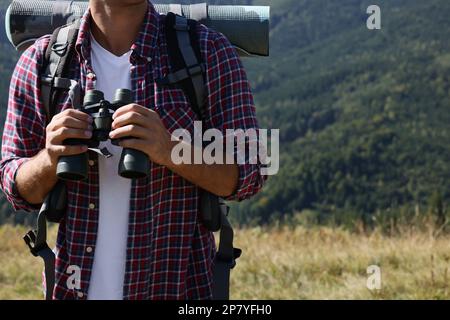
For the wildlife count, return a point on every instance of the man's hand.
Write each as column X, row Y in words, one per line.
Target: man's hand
column 146, row 130
column 69, row 124
column 152, row 138
column 36, row 177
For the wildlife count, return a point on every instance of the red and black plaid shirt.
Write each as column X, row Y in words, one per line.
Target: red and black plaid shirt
column 169, row 252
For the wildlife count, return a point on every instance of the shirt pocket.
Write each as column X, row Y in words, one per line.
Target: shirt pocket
column 174, row 108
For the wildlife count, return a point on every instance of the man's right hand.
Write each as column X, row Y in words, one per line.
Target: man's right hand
column 36, row 177
column 69, row 124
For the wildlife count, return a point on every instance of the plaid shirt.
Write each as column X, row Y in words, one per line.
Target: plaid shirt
column 169, row 252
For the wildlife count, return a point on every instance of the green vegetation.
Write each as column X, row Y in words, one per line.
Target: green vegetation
column 363, row 114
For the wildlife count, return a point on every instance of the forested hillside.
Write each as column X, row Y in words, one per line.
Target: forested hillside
column 363, row 115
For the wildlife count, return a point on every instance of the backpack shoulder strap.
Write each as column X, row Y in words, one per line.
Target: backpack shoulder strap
column 52, row 209
column 185, row 59
column 56, row 68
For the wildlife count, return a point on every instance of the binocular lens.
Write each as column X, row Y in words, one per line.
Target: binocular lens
column 73, row 168
column 93, row 97
column 123, row 97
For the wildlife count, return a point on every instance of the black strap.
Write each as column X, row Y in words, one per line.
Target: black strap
column 55, row 79
column 225, row 259
column 185, row 60
column 36, row 240
column 193, row 66
column 52, row 209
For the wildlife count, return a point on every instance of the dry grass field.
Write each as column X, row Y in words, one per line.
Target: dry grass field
column 291, row 263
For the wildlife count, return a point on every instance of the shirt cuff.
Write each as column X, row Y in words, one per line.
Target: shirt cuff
column 10, row 187
column 250, row 182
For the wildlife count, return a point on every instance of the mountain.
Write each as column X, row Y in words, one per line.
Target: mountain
column 363, row 114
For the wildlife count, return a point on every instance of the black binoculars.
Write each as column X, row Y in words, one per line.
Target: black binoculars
column 133, row 164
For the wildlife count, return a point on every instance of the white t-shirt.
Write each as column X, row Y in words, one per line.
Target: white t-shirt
column 107, row 278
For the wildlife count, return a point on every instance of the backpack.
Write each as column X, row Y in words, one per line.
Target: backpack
column 185, row 58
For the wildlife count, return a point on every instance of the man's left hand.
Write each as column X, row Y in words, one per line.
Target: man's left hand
column 147, row 131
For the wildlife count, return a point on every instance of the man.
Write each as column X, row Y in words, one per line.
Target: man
column 131, row 239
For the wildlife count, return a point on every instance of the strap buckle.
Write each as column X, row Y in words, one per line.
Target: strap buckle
column 30, row 241
column 181, row 27
column 60, row 48
column 181, row 75
column 195, row 69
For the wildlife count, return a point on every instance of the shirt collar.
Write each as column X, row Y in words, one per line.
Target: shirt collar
column 144, row 45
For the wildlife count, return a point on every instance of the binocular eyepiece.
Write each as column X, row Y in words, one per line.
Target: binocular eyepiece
column 133, row 163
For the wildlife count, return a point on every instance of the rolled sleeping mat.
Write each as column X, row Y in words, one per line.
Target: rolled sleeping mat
column 246, row 27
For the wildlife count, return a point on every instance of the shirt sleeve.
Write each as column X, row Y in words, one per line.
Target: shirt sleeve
column 231, row 107
column 24, row 129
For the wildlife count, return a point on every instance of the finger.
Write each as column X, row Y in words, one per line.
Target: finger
column 130, row 108
column 130, row 130
column 137, row 144
column 62, row 134
column 77, row 114
column 130, row 118
column 68, row 150
column 73, row 123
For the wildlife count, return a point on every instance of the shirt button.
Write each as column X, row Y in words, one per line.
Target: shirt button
column 91, row 163
column 89, row 249
column 90, row 75
column 80, row 294
column 91, row 206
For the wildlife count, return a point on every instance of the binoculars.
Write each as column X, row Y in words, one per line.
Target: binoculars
column 133, row 164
